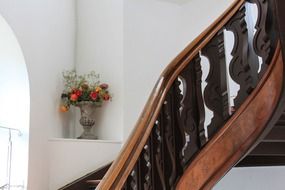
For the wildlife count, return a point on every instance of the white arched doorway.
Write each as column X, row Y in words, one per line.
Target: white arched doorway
column 14, row 112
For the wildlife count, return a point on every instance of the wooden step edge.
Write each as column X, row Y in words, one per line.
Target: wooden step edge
column 94, row 182
column 262, row 161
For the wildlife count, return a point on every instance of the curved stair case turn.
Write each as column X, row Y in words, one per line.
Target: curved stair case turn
column 169, row 148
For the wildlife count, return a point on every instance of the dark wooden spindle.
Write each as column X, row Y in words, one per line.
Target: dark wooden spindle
column 145, row 168
column 240, row 70
column 261, row 41
column 178, row 128
column 132, row 182
column 216, row 93
column 158, row 174
column 170, row 160
column 200, row 109
column 192, row 111
column 252, row 57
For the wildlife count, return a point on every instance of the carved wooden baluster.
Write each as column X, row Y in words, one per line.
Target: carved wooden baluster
column 252, row 57
column 158, row 158
column 173, row 135
column 158, row 174
column 272, row 32
column 240, row 70
column 149, row 164
column 261, row 41
column 200, row 114
column 169, row 156
column 215, row 93
column 141, row 176
column 146, row 155
column 178, row 128
column 132, row 182
column 192, row 110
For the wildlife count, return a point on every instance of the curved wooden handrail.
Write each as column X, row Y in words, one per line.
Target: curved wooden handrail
column 234, row 140
column 122, row 166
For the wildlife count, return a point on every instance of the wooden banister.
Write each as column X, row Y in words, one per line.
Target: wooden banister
column 168, row 144
column 122, row 166
column 235, row 139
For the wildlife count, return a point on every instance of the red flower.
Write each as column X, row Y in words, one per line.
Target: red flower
column 106, row 97
column 93, row 95
column 104, row 86
column 77, row 92
column 73, row 97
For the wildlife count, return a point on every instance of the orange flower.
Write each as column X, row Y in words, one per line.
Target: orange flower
column 98, row 89
column 63, row 108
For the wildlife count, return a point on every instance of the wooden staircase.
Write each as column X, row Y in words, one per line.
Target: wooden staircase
column 170, row 146
column 89, row 181
column 271, row 150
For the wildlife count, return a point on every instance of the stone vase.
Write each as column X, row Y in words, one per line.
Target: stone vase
column 87, row 120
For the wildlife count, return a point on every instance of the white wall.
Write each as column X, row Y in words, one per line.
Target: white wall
column 45, row 32
column 99, row 47
column 71, row 159
column 155, row 31
column 261, row 178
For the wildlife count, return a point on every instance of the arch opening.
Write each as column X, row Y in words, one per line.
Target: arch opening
column 14, row 112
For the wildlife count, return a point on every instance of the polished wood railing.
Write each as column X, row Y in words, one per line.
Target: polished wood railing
column 170, row 147
column 242, row 130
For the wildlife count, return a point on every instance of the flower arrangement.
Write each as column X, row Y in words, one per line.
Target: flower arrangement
column 82, row 88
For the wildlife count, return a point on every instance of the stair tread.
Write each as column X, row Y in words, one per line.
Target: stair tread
column 269, row 149
column 258, row 161
column 277, row 133
column 94, row 182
